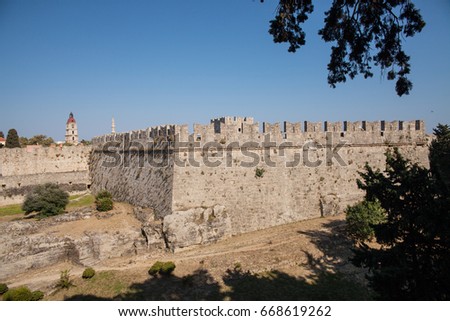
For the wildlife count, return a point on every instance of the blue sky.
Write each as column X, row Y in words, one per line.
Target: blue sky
column 149, row 62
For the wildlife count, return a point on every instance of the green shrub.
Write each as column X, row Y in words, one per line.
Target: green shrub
column 18, row 294
column 103, row 194
column 22, row 294
column 167, row 268
column 37, row 296
column 103, row 201
column 162, row 268
column 88, row 273
column 155, row 268
column 259, row 172
column 361, row 219
column 3, row 288
column 47, row 200
column 104, row 204
column 64, row 281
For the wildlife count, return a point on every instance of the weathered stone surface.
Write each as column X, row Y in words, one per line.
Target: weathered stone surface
column 33, row 244
column 23, row 168
column 152, row 229
column 196, row 226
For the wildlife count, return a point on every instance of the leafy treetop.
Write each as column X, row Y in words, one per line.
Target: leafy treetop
column 356, row 27
column 12, row 140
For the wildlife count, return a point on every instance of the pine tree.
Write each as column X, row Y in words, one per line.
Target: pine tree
column 12, row 140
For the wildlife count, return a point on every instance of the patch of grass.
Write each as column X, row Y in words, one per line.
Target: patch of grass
column 11, row 210
column 75, row 201
column 104, row 285
column 80, row 201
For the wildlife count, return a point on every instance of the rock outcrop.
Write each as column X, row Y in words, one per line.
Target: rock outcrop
column 83, row 237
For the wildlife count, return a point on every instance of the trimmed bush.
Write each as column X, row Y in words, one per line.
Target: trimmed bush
column 88, row 273
column 103, row 201
column 18, row 294
column 167, row 268
column 155, row 268
column 162, row 268
column 37, row 296
column 362, row 217
column 3, row 288
column 104, row 204
column 47, row 200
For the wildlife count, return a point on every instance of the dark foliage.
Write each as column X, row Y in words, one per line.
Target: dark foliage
column 414, row 258
column 47, row 200
column 40, row 140
column 440, row 157
column 3, row 288
column 162, row 268
column 103, row 201
column 361, row 218
column 357, row 28
column 89, row 273
column 12, row 140
column 22, row 294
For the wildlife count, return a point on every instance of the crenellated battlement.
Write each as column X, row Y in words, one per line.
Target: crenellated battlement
column 244, row 129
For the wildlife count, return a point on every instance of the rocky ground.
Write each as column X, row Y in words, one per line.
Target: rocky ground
column 118, row 243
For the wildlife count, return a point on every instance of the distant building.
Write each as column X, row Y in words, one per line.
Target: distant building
column 2, row 141
column 113, row 126
column 71, row 131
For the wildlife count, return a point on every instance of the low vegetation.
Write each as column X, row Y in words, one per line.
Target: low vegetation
column 103, row 201
column 65, row 281
column 76, row 201
column 11, row 210
column 46, row 200
column 22, row 294
column 361, row 219
column 162, row 268
column 89, row 273
column 3, row 288
column 412, row 260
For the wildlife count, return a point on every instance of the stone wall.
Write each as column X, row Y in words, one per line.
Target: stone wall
column 23, row 168
column 229, row 177
column 141, row 178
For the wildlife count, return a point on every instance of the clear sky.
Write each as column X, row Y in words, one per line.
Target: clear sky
column 149, row 62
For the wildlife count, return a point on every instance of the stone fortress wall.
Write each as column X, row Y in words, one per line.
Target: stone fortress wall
column 23, row 168
column 230, row 177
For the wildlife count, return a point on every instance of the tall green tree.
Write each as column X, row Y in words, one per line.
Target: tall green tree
column 356, row 28
column 12, row 140
column 2, row 135
column 41, row 140
column 413, row 259
column 440, row 157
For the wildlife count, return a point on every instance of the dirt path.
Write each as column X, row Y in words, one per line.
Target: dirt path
column 299, row 249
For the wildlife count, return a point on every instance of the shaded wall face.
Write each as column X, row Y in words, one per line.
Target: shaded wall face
column 140, row 178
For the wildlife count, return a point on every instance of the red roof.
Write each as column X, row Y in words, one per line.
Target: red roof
column 2, row 139
column 71, row 119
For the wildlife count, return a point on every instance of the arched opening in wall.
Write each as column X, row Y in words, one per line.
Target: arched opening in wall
column 382, row 134
column 199, row 138
column 88, row 186
column 239, row 130
column 70, row 183
column 342, row 134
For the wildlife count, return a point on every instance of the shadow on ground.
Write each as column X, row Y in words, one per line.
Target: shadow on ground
column 325, row 282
